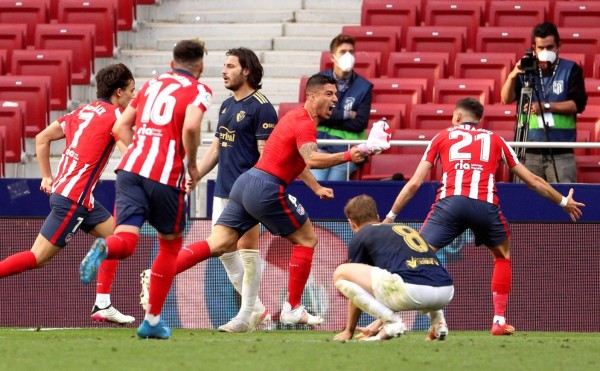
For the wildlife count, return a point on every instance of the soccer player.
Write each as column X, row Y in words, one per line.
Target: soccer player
column 391, row 269
column 467, row 195
column 259, row 196
column 151, row 175
column 89, row 144
column 246, row 120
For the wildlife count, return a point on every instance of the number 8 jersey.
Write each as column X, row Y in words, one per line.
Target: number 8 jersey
column 469, row 157
column 157, row 151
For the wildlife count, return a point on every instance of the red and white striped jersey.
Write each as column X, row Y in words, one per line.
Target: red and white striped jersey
column 89, row 144
column 469, row 157
column 157, row 151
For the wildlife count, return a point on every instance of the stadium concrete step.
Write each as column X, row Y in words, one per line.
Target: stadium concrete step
column 312, row 29
column 222, row 42
column 212, row 70
column 332, row 4
column 345, row 16
column 303, row 43
column 235, row 15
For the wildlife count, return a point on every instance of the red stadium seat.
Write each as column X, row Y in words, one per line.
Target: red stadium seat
column 29, row 12
column 12, row 37
column 79, row 38
column 495, row 66
column 53, row 10
column 587, row 120
column 428, row 65
column 446, row 39
column 577, row 14
column 578, row 58
column 301, row 95
column 431, row 116
column 456, row 13
column 399, row 91
column 412, row 134
column 583, row 136
column 2, row 153
column 588, row 169
column 101, row 13
column 596, row 72
column 451, row 90
column 402, row 13
column 126, row 14
column 11, row 120
column 384, row 166
column 504, row 40
column 499, row 117
column 53, row 63
column 592, row 88
column 285, row 107
column 581, row 40
column 34, row 90
column 3, row 62
column 366, row 64
column 518, row 13
column 393, row 114
column 383, row 39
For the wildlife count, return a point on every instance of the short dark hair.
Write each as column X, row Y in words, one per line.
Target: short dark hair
column 472, row 106
column 339, row 40
column 249, row 60
column 187, row 52
column 544, row 30
column 111, row 78
column 361, row 209
column 317, row 81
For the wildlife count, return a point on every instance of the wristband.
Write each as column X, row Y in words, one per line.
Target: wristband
column 563, row 202
column 391, row 215
column 347, row 156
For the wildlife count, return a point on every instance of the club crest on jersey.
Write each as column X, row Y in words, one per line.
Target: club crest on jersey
column 348, row 103
column 558, row 87
column 240, row 116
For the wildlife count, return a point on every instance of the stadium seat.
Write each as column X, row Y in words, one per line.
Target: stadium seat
column 29, row 12
column 385, row 165
column 504, row 40
column 451, row 90
column 588, row 118
column 34, row 90
column 456, row 13
column 366, row 64
column 596, row 67
column 2, row 153
column 517, row 13
column 393, row 114
column 285, row 107
column 592, row 88
column 431, row 116
column 3, row 63
column 495, row 66
column 428, row 65
column 79, row 38
column 588, row 169
column 583, row 136
column 403, row 13
column 301, row 95
column 578, row 58
column 412, row 134
column 581, row 40
column 577, row 14
column 403, row 91
column 53, row 63
column 126, row 14
column 12, row 37
column 101, row 13
column 446, row 39
column 383, row 39
column 11, row 120
column 499, row 117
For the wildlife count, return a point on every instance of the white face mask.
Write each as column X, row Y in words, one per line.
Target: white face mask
column 546, row 58
column 346, row 62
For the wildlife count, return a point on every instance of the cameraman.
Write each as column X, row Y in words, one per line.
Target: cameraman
column 559, row 94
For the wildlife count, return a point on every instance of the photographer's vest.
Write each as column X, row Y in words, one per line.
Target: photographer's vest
column 555, row 89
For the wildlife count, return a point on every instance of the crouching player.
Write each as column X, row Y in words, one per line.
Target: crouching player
column 391, row 269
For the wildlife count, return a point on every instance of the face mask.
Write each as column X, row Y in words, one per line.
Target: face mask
column 546, row 58
column 346, row 62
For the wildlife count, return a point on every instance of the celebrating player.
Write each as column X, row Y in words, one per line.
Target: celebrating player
column 467, row 195
column 391, row 269
column 151, row 175
column 89, row 145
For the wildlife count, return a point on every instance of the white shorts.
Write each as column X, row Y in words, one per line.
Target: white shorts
column 391, row 290
column 219, row 204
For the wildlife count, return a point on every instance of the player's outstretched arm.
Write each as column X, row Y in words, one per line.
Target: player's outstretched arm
column 123, row 127
column 42, row 152
column 409, row 190
column 320, row 160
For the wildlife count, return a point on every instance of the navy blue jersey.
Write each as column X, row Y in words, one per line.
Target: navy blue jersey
column 398, row 249
column 241, row 124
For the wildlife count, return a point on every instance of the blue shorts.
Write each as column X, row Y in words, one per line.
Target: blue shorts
column 451, row 216
column 67, row 217
column 260, row 197
column 138, row 199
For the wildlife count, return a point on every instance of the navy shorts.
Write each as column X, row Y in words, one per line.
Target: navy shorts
column 260, row 197
column 67, row 217
column 139, row 198
column 451, row 216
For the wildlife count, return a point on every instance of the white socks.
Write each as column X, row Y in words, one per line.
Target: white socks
column 102, row 301
column 499, row 320
column 365, row 301
column 244, row 269
column 152, row 319
column 435, row 317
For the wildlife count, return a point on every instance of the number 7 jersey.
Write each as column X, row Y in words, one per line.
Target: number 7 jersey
column 157, row 151
column 469, row 157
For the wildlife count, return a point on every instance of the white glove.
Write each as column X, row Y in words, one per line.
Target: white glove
column 378, row 140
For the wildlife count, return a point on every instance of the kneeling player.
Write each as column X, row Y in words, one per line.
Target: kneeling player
column 392, row 269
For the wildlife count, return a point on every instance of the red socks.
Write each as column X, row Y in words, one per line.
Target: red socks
column 121, row 245
column 106, row 275
column 501, row 281
column 163, row 272
column 17, row 263
column 192, row 255
column 300, row 264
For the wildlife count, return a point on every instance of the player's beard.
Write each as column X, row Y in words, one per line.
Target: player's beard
column 235, row 83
